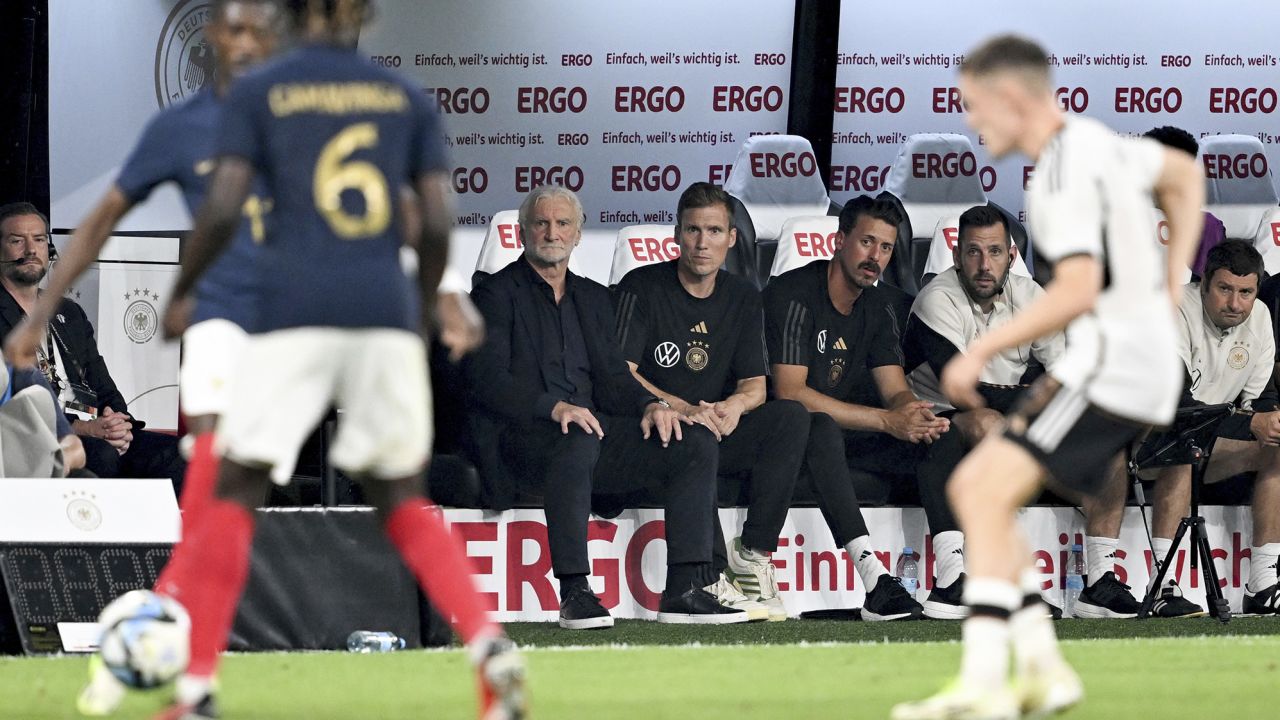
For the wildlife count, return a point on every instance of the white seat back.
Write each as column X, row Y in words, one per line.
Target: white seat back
column 776, row 177
column 1240, row 190
column 805, row 239
column 640, row 245
column 936, row 176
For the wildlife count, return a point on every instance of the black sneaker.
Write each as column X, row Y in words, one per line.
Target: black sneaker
column 947, row 603
column 888, row 600
column 1107, row 598
column 1171, row 604
column 697, row 607
column 1263, row 602
column 1055, row 612
column 206, row 709
column 581, row 610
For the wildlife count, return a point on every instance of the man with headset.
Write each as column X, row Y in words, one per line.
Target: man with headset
column 115, row 445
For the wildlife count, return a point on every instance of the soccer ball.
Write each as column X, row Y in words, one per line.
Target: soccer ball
column 145, row 639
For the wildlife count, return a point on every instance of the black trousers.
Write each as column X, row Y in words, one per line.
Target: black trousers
column 150, row 455
column 896, row 463
column 768, row 445
column 822, row 465
column 568, row 468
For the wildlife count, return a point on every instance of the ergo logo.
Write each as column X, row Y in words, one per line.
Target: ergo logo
column 870, row 100
column 933, row 166
column 470, row 180
column 634, row 98
column 950, row 235
column 1242, row 100
column 461, row 100
column 735, row 98
column 529, row 177
column 634, row 178
column 815, row 244
column 1231, row 167
column 648, row 249
column 509, row 236
column 858, row 177
column 557, row 100
column 788, row 164
column 1148, row 100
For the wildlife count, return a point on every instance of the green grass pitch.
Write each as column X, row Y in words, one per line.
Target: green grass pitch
column 797, row 669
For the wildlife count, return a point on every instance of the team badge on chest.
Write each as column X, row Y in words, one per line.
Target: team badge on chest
column 1238, row 357
column 696, row 356
column 835, row 372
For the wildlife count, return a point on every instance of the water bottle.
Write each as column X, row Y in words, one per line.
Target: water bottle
column 1075, row 581
column 908, row 571
column 370, row 641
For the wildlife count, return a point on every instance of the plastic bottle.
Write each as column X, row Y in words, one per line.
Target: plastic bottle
column 908, row 570
column 1075, row 581
column 370, row 641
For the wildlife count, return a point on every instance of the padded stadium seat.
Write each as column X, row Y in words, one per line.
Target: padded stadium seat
column 1241, row 192
column 775, row 177
column 804, row 240
column 945, row 236
column 502, row 245
column 640, row 245
column 926, row 198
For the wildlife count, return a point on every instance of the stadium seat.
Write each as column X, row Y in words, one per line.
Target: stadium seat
column 640, row 245
column 926, row 198
column 803, row 240
column 775, row 177
column 945, row 236
column 502, row 245
column 1241, row 192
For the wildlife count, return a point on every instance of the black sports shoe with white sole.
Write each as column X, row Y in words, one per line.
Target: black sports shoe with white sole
column 947, row 603
column 581, row 610
column 1107, row 598
column 888, row 600
column 696, row 606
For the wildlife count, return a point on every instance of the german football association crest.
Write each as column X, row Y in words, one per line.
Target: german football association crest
column 696, row 357
column 835, row 373
column 140, row 318
column 1238, row 358
column 184, row 59
column 83, row 513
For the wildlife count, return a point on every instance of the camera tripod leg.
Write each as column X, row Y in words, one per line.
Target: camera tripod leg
column 1157, row 585
column 1217, row 603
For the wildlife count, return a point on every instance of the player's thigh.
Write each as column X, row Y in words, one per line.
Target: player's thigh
column 384, row 394
column 211, row 352
column 1230, row 457
column 284, row 385
column 995, row 475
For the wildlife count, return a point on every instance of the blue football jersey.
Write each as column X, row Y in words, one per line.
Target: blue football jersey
column 333, row 138
column 179, row 145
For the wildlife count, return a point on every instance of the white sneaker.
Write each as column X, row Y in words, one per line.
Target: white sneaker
column 728, row 594
column 1047, row 692
column 103, row 694
column 777, row 611
column 752, row 572
column 960, row 702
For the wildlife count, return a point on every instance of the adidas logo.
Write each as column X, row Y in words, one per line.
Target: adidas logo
column 865, row 554
column 840, row 344
column 700, row 328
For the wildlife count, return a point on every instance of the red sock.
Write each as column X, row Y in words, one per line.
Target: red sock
column 197, row 491
column 443, row 570
column 201, row 478
column 213, row 558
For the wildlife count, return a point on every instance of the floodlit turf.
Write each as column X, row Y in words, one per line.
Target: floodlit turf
column 1215, row 676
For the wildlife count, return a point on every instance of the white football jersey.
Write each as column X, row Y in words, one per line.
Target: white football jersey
column 946, row 309
column 1091, row 195
column 1225, row 364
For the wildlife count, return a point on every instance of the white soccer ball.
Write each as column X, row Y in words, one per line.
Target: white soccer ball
column 146, row 639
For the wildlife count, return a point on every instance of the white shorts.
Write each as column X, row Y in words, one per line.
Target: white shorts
column 211, row 353
column 288, row 379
